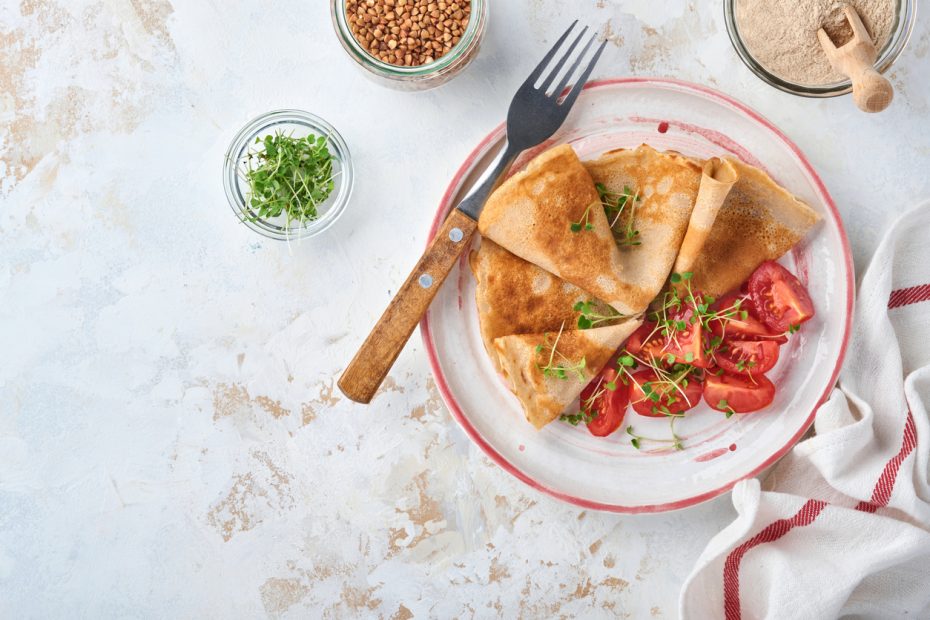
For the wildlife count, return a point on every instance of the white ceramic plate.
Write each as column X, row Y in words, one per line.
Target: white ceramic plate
column 609, row 474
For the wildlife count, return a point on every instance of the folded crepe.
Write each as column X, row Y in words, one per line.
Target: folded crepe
column 532, row 215
column 759, row 221
column 548, row 371
column 667, row 186
column 516, row 297
column 717, row 180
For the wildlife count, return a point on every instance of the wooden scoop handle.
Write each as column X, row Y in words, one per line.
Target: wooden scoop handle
column 872, row 92
column 374, row 359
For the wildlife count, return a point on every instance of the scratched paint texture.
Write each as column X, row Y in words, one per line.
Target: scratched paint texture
column 171, row 442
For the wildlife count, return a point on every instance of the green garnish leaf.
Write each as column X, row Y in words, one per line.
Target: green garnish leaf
column 592, row 315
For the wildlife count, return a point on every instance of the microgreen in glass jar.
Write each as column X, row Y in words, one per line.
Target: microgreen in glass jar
column 288, row 175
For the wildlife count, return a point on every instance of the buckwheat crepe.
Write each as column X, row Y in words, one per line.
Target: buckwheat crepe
column 544, row 397
column 516, row 297
column 717, row 180
column 532, row 214
column 667, row 185
column 759, row 221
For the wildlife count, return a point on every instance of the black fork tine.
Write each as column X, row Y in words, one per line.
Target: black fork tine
column 558, row 67
column 579, row 85
column 530, row 81
column 568, row 76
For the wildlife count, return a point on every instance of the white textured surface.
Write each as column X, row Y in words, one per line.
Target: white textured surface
column 170, row 441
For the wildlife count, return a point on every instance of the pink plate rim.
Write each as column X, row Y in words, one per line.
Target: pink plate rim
column 447, row 396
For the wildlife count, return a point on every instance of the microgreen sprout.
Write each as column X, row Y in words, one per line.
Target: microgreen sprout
column 584, row 223
column 561, row 367
column 582, row 417
column 591, row 314
column 636, row 439
column 614, row 207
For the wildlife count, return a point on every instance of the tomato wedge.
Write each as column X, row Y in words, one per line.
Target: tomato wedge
column 687, row 345
column 747, row 357
column 646, row 342
column 780, row 298
column 737, row 326
column 608, row 406
column 738, row 394
column 656, row 399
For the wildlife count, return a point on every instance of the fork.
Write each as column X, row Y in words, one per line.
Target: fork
column 535, row 114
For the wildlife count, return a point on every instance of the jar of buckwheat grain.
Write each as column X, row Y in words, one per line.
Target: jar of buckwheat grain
column 411, row 44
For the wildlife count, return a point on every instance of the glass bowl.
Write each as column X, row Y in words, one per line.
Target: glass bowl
column 901, row 33
column 422, row 77
column 299, row 124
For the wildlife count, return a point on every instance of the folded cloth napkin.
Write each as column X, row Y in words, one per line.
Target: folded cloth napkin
column 842, row 527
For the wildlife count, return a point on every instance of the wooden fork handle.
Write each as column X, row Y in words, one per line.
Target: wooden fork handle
column 374, row 359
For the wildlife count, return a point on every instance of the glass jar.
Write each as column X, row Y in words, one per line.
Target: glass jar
column 904, row 26
column 422, row 77
column 298, row 124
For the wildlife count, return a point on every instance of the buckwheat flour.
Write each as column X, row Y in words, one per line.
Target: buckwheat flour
column 782, row 34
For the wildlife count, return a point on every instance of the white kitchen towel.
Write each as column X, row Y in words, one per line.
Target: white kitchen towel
column 842, row 525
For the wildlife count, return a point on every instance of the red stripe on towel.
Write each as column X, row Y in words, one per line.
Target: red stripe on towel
column 881, row 494
column 774, row 531
column 907, row 296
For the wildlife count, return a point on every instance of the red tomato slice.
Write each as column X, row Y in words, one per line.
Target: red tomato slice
column 738, row 394
column 780, row 298
column 747, row 357
column 687, row 345
column 646, row 342
column 608, row 406
column 735, row 326
column 669, row 399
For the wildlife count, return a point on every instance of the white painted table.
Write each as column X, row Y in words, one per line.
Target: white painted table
column 171, row 444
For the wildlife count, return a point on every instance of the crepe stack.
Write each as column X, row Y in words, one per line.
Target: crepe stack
column 533, row 265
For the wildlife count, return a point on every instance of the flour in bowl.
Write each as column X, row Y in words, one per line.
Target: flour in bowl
column 782, row 34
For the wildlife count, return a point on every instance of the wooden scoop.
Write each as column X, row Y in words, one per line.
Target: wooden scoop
column 856, row 60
